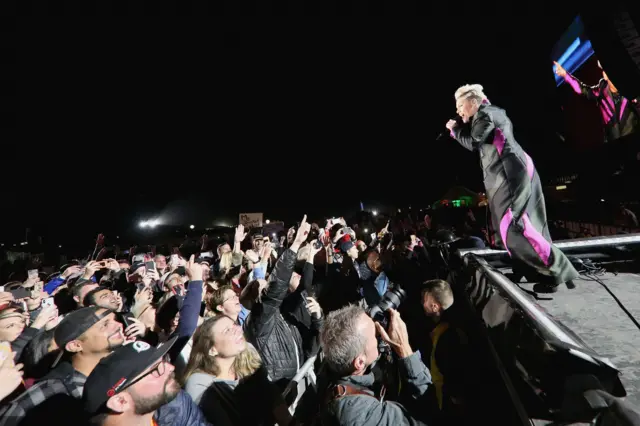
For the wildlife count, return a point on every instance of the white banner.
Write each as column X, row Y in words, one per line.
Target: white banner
column 251, row 220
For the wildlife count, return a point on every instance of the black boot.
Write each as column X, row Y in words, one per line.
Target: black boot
column 570, row 284
column 545, row 288
column 515, row 278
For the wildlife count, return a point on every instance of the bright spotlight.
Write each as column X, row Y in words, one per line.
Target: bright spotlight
column 152, row 223
column 375, row 212
column 143, row 224
column 366, row 230
column 267, row 221
column 192, row 226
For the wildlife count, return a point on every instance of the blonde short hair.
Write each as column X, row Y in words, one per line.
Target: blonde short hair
column 474, row 92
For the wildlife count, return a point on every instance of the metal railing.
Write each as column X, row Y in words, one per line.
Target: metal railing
column 576, row 228
column 305, row 379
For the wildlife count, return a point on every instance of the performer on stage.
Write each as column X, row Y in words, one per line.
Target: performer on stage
column 513, row 188
column 619, row 114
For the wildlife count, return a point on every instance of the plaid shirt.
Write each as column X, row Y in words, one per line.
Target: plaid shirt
column 72, row 384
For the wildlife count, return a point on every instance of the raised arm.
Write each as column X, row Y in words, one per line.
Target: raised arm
column 265, row 312
column 591, row 92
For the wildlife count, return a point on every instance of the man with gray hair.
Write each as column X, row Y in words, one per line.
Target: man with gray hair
column 350, row 346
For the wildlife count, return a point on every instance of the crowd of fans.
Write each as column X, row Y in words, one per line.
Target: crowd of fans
column 216, row 338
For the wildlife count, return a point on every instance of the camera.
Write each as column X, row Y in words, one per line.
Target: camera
column 392, row 299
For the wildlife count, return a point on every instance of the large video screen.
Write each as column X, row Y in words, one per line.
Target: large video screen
column 582, row 127
column 594, row 111
column 572, row 50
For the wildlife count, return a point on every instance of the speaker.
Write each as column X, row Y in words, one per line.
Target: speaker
column 614, row 31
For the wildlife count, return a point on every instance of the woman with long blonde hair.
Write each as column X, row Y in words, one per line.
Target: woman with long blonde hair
column 224, row 376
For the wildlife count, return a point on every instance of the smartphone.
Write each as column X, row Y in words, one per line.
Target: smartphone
column 206, row 254
column 20, row 293
column 6, row 355
column 124, row 319
column 37, row 287
column 150, row 266
column 138, row 258
column 174, row 259
column 47, row 302
column 33, row 274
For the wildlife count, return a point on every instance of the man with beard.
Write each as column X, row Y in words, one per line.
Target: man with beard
column 84, row 337
column 128, row 386
column 449, row 354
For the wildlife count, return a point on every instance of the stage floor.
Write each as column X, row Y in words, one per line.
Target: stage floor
column 595, row 316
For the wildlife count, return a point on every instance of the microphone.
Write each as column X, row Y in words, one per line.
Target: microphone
column 442, row 134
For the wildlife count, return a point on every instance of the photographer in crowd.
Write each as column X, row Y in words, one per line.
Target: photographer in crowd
column 351, row 348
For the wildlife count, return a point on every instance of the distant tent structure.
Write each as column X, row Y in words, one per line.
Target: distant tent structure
column 459, row 196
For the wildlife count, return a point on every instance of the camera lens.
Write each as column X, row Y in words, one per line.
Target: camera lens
column 392, row 299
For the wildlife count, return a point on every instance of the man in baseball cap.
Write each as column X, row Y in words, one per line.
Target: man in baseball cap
column 85, row 332
column 128, row 386
column 84, row 337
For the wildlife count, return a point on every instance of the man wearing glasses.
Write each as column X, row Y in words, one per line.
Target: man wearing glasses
column 129, row 385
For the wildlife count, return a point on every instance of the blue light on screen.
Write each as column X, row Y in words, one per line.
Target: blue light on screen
column 567, row 53
column 572, row 50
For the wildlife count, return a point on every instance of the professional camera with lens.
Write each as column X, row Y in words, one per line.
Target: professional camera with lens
column 392, row 299
column 385, row 369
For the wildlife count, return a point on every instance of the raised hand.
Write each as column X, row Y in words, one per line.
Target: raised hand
column 559, row 70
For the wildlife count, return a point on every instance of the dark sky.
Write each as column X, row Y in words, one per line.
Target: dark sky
column 123, row 118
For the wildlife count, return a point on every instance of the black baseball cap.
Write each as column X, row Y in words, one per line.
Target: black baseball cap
column 76, row 323
column 136, row 265
column 117, row 371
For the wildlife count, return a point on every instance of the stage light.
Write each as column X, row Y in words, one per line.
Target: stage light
column 149, row 223
column 366, row 230
column 561, row 187
column 267, row 221
column 191, row 226
column 375, row 213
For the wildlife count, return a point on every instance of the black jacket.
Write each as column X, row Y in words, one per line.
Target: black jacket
column 295, row 312
column 278, row 342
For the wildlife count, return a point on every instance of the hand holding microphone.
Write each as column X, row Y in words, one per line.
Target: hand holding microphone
column 451, row 124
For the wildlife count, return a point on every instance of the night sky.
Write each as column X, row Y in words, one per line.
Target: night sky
column 201, row 118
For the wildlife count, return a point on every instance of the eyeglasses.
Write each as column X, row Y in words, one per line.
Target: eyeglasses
column 234, row 297
column 157, row 371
